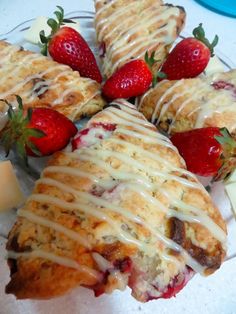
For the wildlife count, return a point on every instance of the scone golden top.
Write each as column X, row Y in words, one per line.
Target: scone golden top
column 42, row 82
column 127, row 29
column 120, row 209
column 176, row 106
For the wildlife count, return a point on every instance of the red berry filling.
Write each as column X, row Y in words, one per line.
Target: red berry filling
column 218, row 85
column 92, row 135
column 124, row 265
column 222, row 85
column 176, row 286
column 102, row 50
column 106, row 126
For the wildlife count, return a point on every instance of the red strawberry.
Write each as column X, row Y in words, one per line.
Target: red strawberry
column 131, row 80
column 207, row 151
column 65, row 45
column 40, row 132
column 190, row 57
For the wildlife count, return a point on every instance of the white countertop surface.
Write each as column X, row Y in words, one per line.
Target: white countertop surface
column 213, row 295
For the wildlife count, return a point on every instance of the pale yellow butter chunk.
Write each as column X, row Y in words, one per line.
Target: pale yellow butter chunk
column 230, row 188
column 11, row 195
column 39, row 24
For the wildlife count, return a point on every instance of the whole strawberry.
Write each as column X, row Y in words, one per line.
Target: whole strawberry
column 207, row 151
column 131, row 80
column 190, row 57
column 37, row 132
column 65, row 45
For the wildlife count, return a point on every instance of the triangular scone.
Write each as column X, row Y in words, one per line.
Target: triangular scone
column 176, row 106
column 119, row 210
column 42, row 82
column 127, row 29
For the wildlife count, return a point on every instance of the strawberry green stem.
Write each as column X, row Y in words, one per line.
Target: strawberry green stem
column 55, row 25
column 199, row 34
column 150, row 61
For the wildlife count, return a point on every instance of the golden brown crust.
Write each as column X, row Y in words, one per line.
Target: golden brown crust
column 128, row 259
column 177, row 106
column 126, row 30
column 42, row 82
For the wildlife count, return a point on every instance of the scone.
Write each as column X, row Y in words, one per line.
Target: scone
column 118, row 209
column 127, row 29
column 176, row 106
column 42, row 82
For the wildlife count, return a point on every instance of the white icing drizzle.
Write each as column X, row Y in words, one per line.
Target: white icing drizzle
column 103, row 263
column 123, row 236
column 118, row 38
column 152, row 156
column 134, row 163
column 64, row 261
column 106, row 184
column 102, row 208
column 207, row 100
column 167, row 93
column 160, row 140
column 26, row 62
column 98, row 202
column 53, row 225
column 7, row 53
column 199, row 217
column 140, row 45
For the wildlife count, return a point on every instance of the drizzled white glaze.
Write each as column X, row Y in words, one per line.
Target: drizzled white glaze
column 53, row 225
column 64, row 261
column 132, row 181
column 130, row 38
column 19, row 69
column 207, row 101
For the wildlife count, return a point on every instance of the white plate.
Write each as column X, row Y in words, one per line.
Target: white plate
column 213, row 295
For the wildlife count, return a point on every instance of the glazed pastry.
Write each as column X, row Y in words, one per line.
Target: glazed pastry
column 127, row 29
column 176, row 106
column 42, row 82
column 118, row 209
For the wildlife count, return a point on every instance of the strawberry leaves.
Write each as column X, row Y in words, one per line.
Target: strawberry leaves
column 199, row 34
column 17, row 135
column 55, row 25
column 150, row 61
column 228, row 156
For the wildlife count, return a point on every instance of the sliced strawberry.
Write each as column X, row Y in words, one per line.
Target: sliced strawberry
column 190, row 57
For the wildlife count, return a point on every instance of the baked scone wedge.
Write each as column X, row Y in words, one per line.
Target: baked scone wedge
column 42, row 82
column 176, row 106
column 120, row 209
column 127, row 29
